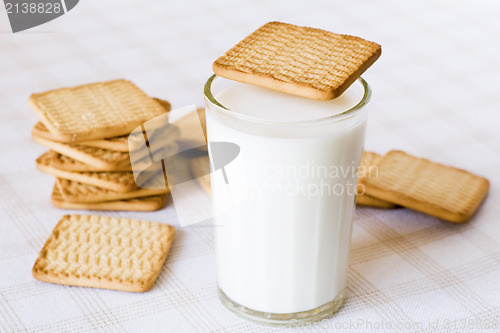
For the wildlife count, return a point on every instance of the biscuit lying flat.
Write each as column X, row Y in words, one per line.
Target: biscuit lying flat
column 109, row 160
column 115, row 181
column 72, row 191
column 106, row 160
column 368, row 168
column 94, row 111
column 301, row 61
column 369, row 201
column 118, row 143
column 442, row 191
column 104, row 252
column 143, row 204
column 63, row 162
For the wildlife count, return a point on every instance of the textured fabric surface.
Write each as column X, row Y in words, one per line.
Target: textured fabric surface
column 435, row 95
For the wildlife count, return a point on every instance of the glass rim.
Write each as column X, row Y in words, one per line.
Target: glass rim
column 337, row 117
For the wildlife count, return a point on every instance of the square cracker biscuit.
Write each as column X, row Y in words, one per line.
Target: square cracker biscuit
column 142, row 204
column 73, row 191
column 118, row 143
column 66, row 163
column 104, row 159
column 368, row 168
column 109, row 160
column 417, row 183
column 115, row 181
column 297, row 60
column 94, row 111
column 104, row 252
column 145, row 204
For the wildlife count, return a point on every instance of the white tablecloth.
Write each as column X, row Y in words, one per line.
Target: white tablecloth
column 435, row 95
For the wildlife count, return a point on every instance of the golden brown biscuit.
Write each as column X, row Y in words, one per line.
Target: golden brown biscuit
column 94, row 111
column 368, row 168
column 104, row 252
column 63, row 162
column 115, row 181
column 445, row 192
column 72, row 191
column 297, row 60
column 118, row 143
column 103, row 159
column 143, row 204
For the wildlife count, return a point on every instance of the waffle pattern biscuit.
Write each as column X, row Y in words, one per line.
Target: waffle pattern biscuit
column 118, row 143
column 302, row 61
column 114, row 181
column 94, row 111
column 63, row 162
column 144, row 204
column 106, row 160
column 369, row 201
column 439, row 190
column 104, row 252
column 368, row 168
column 72, row 191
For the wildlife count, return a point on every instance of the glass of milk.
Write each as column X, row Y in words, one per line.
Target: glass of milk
column 282, row 246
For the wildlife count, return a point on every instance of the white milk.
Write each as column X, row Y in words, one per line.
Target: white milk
column 284, row 247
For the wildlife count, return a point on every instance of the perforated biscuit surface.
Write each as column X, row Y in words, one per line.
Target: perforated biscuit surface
column 298, row 60
column 443, row 191
column 117, row 181
column 77, row 192
column 107, row 160
column 64, row 162
column 120, row 142
column 104, row 252
column 368, row 168
column 109, row 156
column 94, row 111
column 143, row 204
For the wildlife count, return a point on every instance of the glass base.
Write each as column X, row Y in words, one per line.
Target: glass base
column 288, row 319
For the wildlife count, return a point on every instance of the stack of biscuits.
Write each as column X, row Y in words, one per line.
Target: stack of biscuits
column 86, row 129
